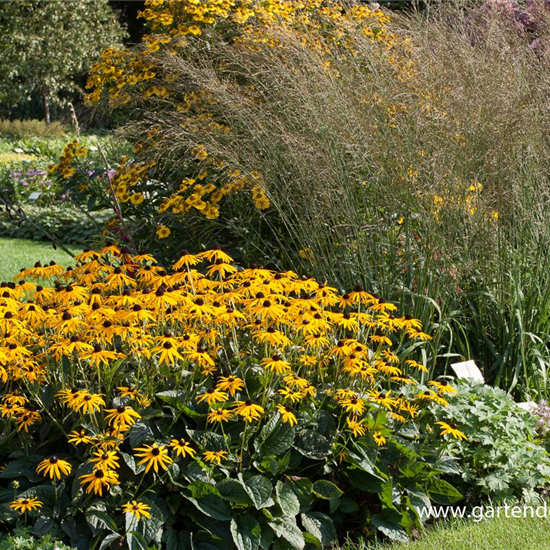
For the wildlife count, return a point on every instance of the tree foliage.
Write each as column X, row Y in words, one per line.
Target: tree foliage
column 46, row 46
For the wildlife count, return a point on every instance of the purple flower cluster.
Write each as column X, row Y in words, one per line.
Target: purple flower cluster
column 542, row 413
column 33, row 176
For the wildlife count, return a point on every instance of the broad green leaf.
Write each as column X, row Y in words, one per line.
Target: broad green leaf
column 442, row 492
column 390, row 527
column 287, row 529
column 287, row 499
column 320, row 526
column 275, row 438
column 326, row 489
column 259, row 489
column 312, row 444
column 233, row 491
column 246, row 533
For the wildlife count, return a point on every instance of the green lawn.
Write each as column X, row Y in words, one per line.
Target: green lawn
column 18, row 253
column 496, row 534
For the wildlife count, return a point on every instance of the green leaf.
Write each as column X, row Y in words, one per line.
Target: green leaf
column 287, row 529
column 390, row 527
column 275, row 438
column 233, row 491
column 246, row 533
column 287, row 499
column 326, row 489
column 23, row 467
column 312, row 444
column 320, row 526
column 442, row 492
column 259, row 489
column 213, row 506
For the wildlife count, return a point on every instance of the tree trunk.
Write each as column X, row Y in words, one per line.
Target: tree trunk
column 46, row 102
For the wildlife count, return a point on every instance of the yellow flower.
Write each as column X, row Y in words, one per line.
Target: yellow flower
column 54, row 467
column 163, row 232
column 231, row 384
column 220, row 415
column 215, row 456
column 356, row 426
column 212, row 395
column 452, row 430
column 287, row 415
column 182, row 448
column 137, row 198
column 248, row 410
column 153, row 456
column 105, row 460
column 137, row 509
column 98, row 480
column 24, row 505
column 122, row 417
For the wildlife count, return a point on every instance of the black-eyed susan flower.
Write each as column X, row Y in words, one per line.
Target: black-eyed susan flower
column 212, row 395
column 287, row 414
column 54, row 468
column 182, row 448
column 89, row 403
column 379, row 438
column 220, row 415
column 80, row 437
column 24, row 505
column 105, row 460
column 356, row 426
column 137, row 509
column 215, row 456
column 248, row 410
column 276, row 364
column 451, row 429
column 99, row 480
column 153, row 456
column 122, row 417
column 230, row 384
column 443, row 387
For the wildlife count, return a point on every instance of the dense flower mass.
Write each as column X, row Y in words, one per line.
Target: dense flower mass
column 133, row 365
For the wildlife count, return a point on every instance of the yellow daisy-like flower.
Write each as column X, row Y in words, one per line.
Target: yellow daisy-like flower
column 54, row 467
column 137, row 509
column 215, row 456
column 105, row 460
column 24, row 505
column 182, row 448
column 122, row 417
column 230, row 384
column 153, row 456
column 80, row 437
column 220, row 415
column 451, row 429
column 98, row 480
column 287, row 415
column 212, row 395
column 163, row 232
column 248, row 410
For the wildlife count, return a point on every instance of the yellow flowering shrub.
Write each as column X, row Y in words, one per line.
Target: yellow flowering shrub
column 142, row 404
